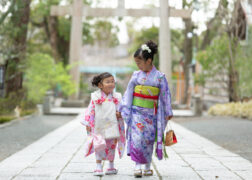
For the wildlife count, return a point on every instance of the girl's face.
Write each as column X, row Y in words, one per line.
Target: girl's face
column 107, row 85
column 142, row 64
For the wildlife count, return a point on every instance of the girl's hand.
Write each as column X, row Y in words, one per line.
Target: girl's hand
column 168, row 118
column 88, row 128
column 118, row 115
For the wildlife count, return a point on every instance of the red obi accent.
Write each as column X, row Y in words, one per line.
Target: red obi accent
column 155, row 108
column 145, row 96
column 174, row 139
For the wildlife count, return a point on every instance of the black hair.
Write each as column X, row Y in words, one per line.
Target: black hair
column 144, row 54
column 99, row 78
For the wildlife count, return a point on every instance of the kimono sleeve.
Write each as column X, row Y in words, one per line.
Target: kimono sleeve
column 165, row 96
column 89, row 116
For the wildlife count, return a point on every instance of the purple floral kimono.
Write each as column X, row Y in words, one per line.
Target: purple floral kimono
column 142, row 123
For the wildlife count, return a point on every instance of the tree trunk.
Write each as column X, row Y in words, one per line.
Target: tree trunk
column 60, row 47
column 213, row 25
column 233, row 75
column 234, row 35
column 233, row 86
column 19, row 20
column 53, row 37
column 188, row 50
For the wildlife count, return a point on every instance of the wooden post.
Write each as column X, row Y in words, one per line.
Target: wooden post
column 76, row 44
column 164, row 41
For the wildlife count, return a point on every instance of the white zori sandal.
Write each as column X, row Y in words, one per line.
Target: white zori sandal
column 138, row 173
column 111, row 171
column 98, row 172
column 148, row 172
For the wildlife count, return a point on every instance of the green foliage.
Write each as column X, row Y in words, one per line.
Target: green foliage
column 105, row 33
column 7, row 105
column 84, row 88
column 214, row 60
column 4, row 119
column 64, row 28
column 41, row 8
column 27, row 112
column 199, row 79
column 43, row 74
column 143, row 36
column 11, row 33
column 244, row 64
column 119, row 88
column 39, row 39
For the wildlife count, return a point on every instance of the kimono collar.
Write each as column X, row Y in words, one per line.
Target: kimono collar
column 102, row 97
column 103, row 94
column 152, row 69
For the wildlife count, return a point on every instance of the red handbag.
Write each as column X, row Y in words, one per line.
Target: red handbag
column 170, row 137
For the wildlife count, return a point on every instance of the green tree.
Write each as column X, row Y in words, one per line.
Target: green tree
column 13, row 33
column 105, row 34
column 216, row 64
column 244, row 64
column 55, row 31
column 42, row 74
column 214, row 61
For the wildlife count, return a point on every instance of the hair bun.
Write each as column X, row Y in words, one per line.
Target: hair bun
column 96, row 80
column 99, row 78
column 153, row 46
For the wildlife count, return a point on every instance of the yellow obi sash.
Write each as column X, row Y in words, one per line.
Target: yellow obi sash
column 146, row 96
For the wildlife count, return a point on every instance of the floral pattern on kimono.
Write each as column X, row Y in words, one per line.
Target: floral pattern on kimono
column 89, row 120
column 142, row 123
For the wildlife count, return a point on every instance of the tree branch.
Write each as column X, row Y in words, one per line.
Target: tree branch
column 8, row 11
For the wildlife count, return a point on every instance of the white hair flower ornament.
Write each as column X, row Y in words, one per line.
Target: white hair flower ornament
column 145, row 47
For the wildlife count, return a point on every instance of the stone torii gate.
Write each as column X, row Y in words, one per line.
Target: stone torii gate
column 77, row 10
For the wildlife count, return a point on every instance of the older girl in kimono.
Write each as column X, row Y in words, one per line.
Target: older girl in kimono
column 103, row 124
column 146, row 108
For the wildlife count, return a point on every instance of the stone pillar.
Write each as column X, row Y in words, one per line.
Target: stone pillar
column 164, row 41
column 76, row 44
column 48, row 102
column 121, row 4
column 197, row 105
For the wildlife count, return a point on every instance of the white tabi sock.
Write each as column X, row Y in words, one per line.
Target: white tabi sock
column 98, row 166
column 138, row 166
column 111, row 165
column 147, row 166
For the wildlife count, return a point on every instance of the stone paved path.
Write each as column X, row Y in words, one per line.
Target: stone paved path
column 58, row 155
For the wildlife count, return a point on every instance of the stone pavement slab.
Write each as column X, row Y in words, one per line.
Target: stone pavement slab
column 66, row 111
column 76, row 111
column 59, row 155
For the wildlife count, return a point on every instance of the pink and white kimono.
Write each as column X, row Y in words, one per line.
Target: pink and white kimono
column 100, row 116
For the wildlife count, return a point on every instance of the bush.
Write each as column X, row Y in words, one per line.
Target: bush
column 27, row 112
column 4, row 119
column 42, row 74
column 238, row 109
column 7, row 105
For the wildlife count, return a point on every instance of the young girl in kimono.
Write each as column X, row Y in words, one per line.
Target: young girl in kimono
column 103, row 124
column 146, row 108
